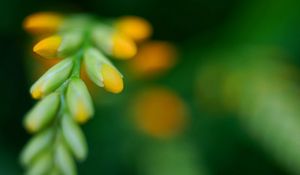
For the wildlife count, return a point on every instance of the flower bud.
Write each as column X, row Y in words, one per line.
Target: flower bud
column 52, row 79
column 134, row 27
column 48, row 47
column 123, row 47
column 114, row 43
column 112, row 79
column 71, row 41
column 74, row 137
column 64, row 161
column 102, row 72
column 36, row 146
column 93, row 59
column 79, row 101
column 43, row 23
column 42, row 164
column 42, row 113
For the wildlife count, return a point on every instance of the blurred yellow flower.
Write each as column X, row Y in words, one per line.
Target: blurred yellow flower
column 134, row 27
column 159, row 112
column 153, row 58
column 43, row 23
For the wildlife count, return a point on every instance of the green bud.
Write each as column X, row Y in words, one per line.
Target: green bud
column 35, row 146
column 54, row 171
column 52, row 79
column 71, row 41
column 42, row 113
column 64, row 161
column 79, row 101
column 41, row 165
column 101, row 36
column 93, row 60
column 74, row 137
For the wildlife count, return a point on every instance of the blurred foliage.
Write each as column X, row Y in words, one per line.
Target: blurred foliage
column 237, row 72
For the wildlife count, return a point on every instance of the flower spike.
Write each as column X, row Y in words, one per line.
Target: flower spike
column 65, row 101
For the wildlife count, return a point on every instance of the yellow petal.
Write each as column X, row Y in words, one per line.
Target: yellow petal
column 123, row 47
column 48, row 47
column 112, row 79
column 134, row 27
column 42, row 23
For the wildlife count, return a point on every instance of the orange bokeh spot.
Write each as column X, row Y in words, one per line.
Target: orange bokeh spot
column 153, row 58
column 159, row 112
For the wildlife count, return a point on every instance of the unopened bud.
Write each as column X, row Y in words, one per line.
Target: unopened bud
column 64, row 160
column 52, row 79
column 112, row 79
column 134, row 27
column 43, row 22
column 70, row 43
column 123, row 47
column 36, row 145
column 114, row 43
column 74, row 137
column 42, row 164
column 48, row 47
column 102, row 72
column 42, row 113
column 79, row 101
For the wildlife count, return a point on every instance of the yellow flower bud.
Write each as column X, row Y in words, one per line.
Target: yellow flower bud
column 93, row 59
column 102, row 72
column 42, row 114
column 123, row 47
column 134, row 27
column 48, row 47
column 112, row 79
column 79, row 101
column 52, row 79
column 43, row 23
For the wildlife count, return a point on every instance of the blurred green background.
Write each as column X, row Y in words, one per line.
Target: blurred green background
column 238, row 73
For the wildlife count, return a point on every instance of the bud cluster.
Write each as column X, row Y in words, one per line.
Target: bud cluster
column 64, row 100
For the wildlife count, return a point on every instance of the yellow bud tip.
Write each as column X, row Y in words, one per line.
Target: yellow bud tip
column 31, row 127
column 134, row 27
column 36, row 93
column 112, row 79
column 48, row 47
column 123, row 47
column 82, row 115
column 42, row 23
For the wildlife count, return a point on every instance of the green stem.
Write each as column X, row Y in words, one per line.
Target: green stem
column 77, row 60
